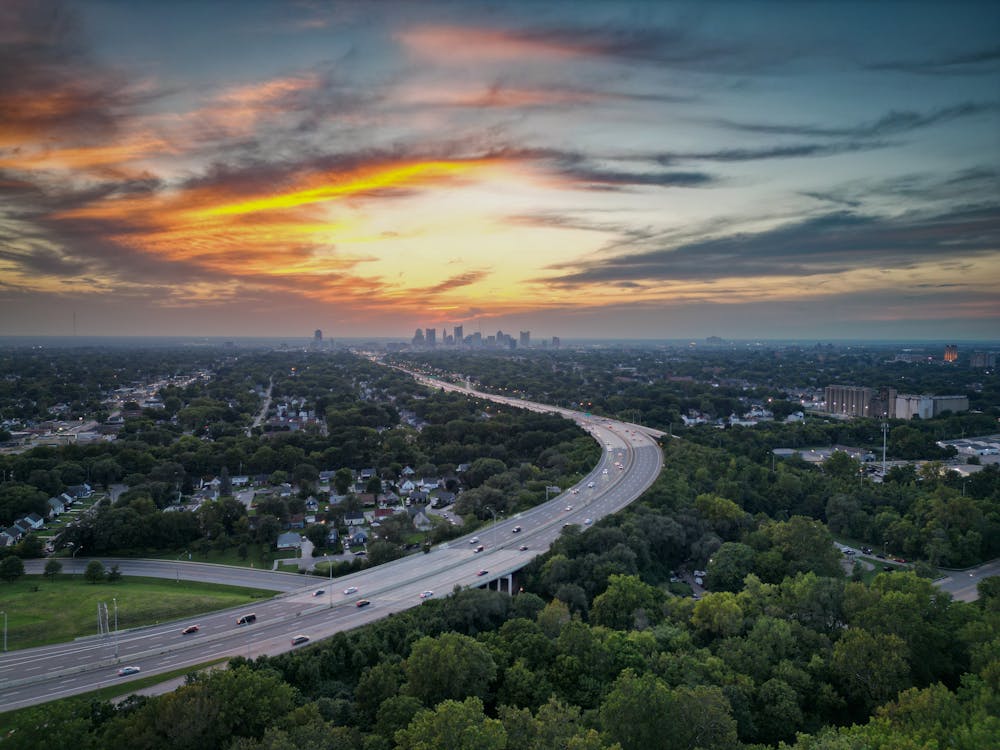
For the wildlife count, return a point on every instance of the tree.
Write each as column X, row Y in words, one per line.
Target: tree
column 11, row 568
column 719, row 614
column 342, row 479
column 730, row 564
column 638, row 712
column 449, row 666
column 453, row 726
column 52, row 568
column 114, row 574
column 871, row 668
column 625, row 600
column 94, row 572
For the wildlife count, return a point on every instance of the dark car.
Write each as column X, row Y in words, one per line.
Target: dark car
column 318, row 593
column 362, row 603
column 482, row 572
column 190, row 629
column 246, row 619
column 516, row 530
column 523, row 547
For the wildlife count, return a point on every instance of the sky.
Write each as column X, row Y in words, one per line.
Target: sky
column 576, row 169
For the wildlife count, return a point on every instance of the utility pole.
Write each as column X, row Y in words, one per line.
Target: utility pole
column 115, row 600
column 5, row 632
column 885, row 432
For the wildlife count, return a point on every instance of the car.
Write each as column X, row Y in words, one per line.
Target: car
column 350, row 590
column 480, row 548
column 426, row 594
column 516, row 530
column 523, row 547
column 361, row 553
column 569, row 508
column 190, row 629
column 482, row 572
column 588, row 521
column 575, row 491
column 300, row 639
column 124, row 671
column 590, row 484
column 898, row 559
column 605, row 471
column 246, row 619
column 866, row 550
column 362, row 603
column 474, row 540
column 318, row 592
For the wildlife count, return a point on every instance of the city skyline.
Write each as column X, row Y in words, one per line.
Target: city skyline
column 584, row 170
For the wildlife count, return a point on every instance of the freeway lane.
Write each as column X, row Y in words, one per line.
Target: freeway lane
column 32, row 676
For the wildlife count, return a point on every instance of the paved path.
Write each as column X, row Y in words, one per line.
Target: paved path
column 961, row 584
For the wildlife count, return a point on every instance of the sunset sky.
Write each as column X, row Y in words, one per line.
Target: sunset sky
column 580, row 169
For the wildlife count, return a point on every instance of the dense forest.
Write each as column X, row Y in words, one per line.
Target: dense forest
column 600, row 652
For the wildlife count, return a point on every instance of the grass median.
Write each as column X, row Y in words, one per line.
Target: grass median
column 41, row 611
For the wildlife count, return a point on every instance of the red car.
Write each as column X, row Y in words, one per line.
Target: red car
column 362, row 603
column 190, row 629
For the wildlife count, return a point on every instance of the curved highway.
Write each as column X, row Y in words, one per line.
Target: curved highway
column 630, row 462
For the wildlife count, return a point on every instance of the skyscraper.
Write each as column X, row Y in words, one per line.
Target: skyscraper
column 951, row 352
column 430, row 334
column 525, row 339
column 418, row 338
column 459, row 336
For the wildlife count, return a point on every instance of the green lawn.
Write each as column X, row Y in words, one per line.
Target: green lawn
column 40, row 611
column 258, row 556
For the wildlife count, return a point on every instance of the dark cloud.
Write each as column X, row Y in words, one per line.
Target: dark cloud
column 605, row 179
column 793, row 151
column 460, row 280
column 50, row 85
column 43, row 261
column 894, row 123
column 831, row 243
column 677, row 46
column 982, row 61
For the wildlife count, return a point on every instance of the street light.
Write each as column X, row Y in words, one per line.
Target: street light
column 490, row 509
column 5, row 632
column 115, row 600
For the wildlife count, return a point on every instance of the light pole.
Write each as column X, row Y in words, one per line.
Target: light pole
column 329, row 564
column 490, row 509
column 5, row 632
column 115, row 600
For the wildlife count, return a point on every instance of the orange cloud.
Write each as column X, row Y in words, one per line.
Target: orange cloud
column 366, row 182
column 460, row 44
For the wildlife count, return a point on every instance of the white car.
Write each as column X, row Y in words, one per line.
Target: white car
column 427, row 595
column 350, row 590
column 588, row 521
column 125, row 671
column 569, row 507
column 590, row 484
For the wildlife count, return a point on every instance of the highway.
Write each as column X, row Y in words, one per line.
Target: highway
column 36, row 675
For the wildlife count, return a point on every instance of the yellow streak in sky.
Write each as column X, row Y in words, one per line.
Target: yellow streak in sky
column 382, row 179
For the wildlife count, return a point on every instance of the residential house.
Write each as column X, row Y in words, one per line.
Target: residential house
column 36, row 521
column 6, row 540
column 359, row 536
column 56, row 506
column 354, row 518
column 441, row 499
column 289, row 540
column 81, row 491
column 297, row 521
column 407, row 487
column 421, row 522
